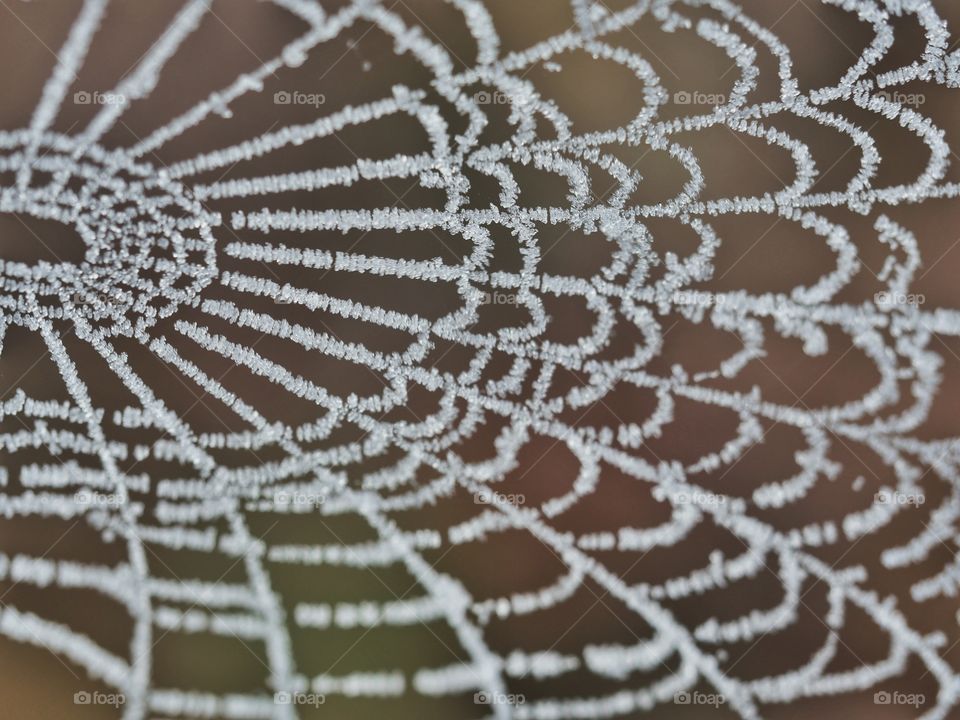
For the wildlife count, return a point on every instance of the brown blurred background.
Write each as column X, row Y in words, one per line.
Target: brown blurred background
column 757, row 254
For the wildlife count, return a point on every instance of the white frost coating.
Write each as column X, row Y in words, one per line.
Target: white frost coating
column 155, row 278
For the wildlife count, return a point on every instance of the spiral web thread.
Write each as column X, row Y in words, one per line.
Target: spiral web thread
column 153, row 252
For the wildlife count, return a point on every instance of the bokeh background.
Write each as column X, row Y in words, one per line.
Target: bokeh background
column 756, row 254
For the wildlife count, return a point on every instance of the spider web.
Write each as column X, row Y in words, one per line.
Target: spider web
column 204, row 273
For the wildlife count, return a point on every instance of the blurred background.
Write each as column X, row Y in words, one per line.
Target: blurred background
column 758, row 253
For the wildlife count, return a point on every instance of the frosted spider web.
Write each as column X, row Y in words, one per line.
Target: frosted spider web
column 174, row 271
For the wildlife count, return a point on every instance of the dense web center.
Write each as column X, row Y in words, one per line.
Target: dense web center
column 148, row 245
